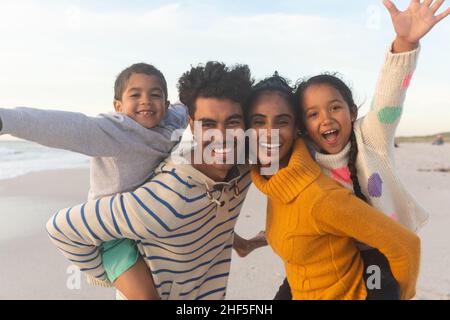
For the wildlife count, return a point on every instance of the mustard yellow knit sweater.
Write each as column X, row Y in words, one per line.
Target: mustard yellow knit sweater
column 312, row 224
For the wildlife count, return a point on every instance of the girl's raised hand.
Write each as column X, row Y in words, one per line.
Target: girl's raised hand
column 415, row 22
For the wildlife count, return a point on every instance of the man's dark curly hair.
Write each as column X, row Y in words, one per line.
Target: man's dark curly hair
column 215, row 80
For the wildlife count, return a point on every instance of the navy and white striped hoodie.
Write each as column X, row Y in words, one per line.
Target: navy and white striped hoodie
column 182, row 220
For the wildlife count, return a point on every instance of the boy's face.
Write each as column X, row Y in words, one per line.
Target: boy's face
column 220, row 116
column 143, row 100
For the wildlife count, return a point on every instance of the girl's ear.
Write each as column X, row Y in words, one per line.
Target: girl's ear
column 117, row 105
column 354, row 113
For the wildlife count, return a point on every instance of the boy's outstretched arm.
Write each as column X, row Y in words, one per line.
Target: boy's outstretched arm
column 92, row 136
column 101, row 136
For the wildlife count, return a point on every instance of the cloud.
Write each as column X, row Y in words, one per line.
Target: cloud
column 59, row 55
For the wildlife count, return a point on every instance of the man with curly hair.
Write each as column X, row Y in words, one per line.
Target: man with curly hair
column 183, row 218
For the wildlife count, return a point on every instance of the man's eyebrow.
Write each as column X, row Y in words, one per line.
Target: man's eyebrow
column 235, row 116
column 284, row 115
column 258, row 115
column 206, row 120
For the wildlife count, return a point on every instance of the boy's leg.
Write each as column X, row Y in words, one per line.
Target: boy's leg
column 127, row 270
column 137, row 283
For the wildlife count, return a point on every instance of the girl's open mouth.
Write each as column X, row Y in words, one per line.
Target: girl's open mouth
column 331, row 136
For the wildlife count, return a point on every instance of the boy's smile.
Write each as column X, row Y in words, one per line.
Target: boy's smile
column 143, row 100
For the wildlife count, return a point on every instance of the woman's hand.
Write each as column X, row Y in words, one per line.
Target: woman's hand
column 415, row 22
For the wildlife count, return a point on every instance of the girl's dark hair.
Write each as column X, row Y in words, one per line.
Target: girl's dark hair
column 276, row 84
column 138, row 68
column 215, row 80
column 334, row 81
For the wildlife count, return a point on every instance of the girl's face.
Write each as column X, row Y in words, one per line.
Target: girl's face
column 327, row 118
column 271, row 111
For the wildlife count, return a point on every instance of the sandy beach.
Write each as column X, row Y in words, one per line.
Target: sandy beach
column 31, row 267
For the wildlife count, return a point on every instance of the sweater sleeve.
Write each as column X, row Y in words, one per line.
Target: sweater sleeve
column 78, row 231
column 178, row 116
column 342, row 214
column 378, row 127
column 92, row 136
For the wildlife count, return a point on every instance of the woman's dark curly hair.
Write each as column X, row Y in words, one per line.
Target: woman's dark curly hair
column 215, row 80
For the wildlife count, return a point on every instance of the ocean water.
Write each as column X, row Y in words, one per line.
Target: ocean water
column 21, row 157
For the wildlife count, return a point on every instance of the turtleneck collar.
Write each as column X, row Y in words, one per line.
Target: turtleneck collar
column 290, row 181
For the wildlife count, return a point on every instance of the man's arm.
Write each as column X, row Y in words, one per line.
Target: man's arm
column 78, row 231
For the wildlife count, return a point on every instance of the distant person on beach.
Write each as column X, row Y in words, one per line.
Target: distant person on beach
column 314, row 223
column 125, row 147
column 439, row 141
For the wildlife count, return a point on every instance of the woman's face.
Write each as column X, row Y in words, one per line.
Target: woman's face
column 271, row 111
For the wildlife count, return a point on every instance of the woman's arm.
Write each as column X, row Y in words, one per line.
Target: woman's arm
column 343, row 214
column 244, row 247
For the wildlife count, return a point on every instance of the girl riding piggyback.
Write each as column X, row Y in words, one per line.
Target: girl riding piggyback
column 359, row 153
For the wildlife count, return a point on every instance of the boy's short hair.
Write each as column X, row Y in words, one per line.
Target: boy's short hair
column 139, row 68
column 215, row 80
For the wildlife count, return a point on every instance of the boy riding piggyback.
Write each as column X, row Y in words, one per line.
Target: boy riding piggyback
column 125, row 146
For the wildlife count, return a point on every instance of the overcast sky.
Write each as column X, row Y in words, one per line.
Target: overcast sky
column 66, row 54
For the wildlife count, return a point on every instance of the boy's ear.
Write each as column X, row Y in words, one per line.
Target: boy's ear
column 117, row 105
column 167, row 104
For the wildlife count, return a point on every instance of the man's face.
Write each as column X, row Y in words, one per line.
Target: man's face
column 214, row 118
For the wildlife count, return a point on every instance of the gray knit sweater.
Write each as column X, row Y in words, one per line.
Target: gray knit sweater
column 123, row 153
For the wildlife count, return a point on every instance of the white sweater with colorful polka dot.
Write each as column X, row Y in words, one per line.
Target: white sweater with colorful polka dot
column 375, row 135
